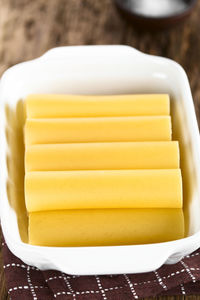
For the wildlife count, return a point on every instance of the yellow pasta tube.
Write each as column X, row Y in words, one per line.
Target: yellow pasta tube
column 64, row 106
column 103, row 189
column 109, row 129
column 72, row 228
column 102, row 156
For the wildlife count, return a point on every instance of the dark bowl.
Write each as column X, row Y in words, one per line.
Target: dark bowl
column 147, row 21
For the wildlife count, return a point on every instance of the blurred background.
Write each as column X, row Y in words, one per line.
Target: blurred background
column 29, row 28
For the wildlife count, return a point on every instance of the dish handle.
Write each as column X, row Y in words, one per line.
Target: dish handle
column 93, row 52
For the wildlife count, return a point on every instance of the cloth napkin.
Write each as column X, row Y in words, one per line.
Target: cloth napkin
column 29, row 283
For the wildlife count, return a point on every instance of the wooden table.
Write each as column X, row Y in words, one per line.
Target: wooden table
column 29, row 28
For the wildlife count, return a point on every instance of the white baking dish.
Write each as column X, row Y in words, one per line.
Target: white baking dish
column 101, row 70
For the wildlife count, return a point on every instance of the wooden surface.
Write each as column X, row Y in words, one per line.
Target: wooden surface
column 29, row 28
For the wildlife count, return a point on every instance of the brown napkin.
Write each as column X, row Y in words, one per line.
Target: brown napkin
column 29, row 283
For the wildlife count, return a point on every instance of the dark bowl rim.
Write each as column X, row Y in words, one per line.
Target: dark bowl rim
column 165, row 17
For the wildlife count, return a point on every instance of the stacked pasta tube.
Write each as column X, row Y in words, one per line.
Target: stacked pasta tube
column 101, row 170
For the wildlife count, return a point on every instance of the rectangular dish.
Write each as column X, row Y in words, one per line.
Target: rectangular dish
column 95, row 70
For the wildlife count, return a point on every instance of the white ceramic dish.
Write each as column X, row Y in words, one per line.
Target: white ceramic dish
column 106, row 70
